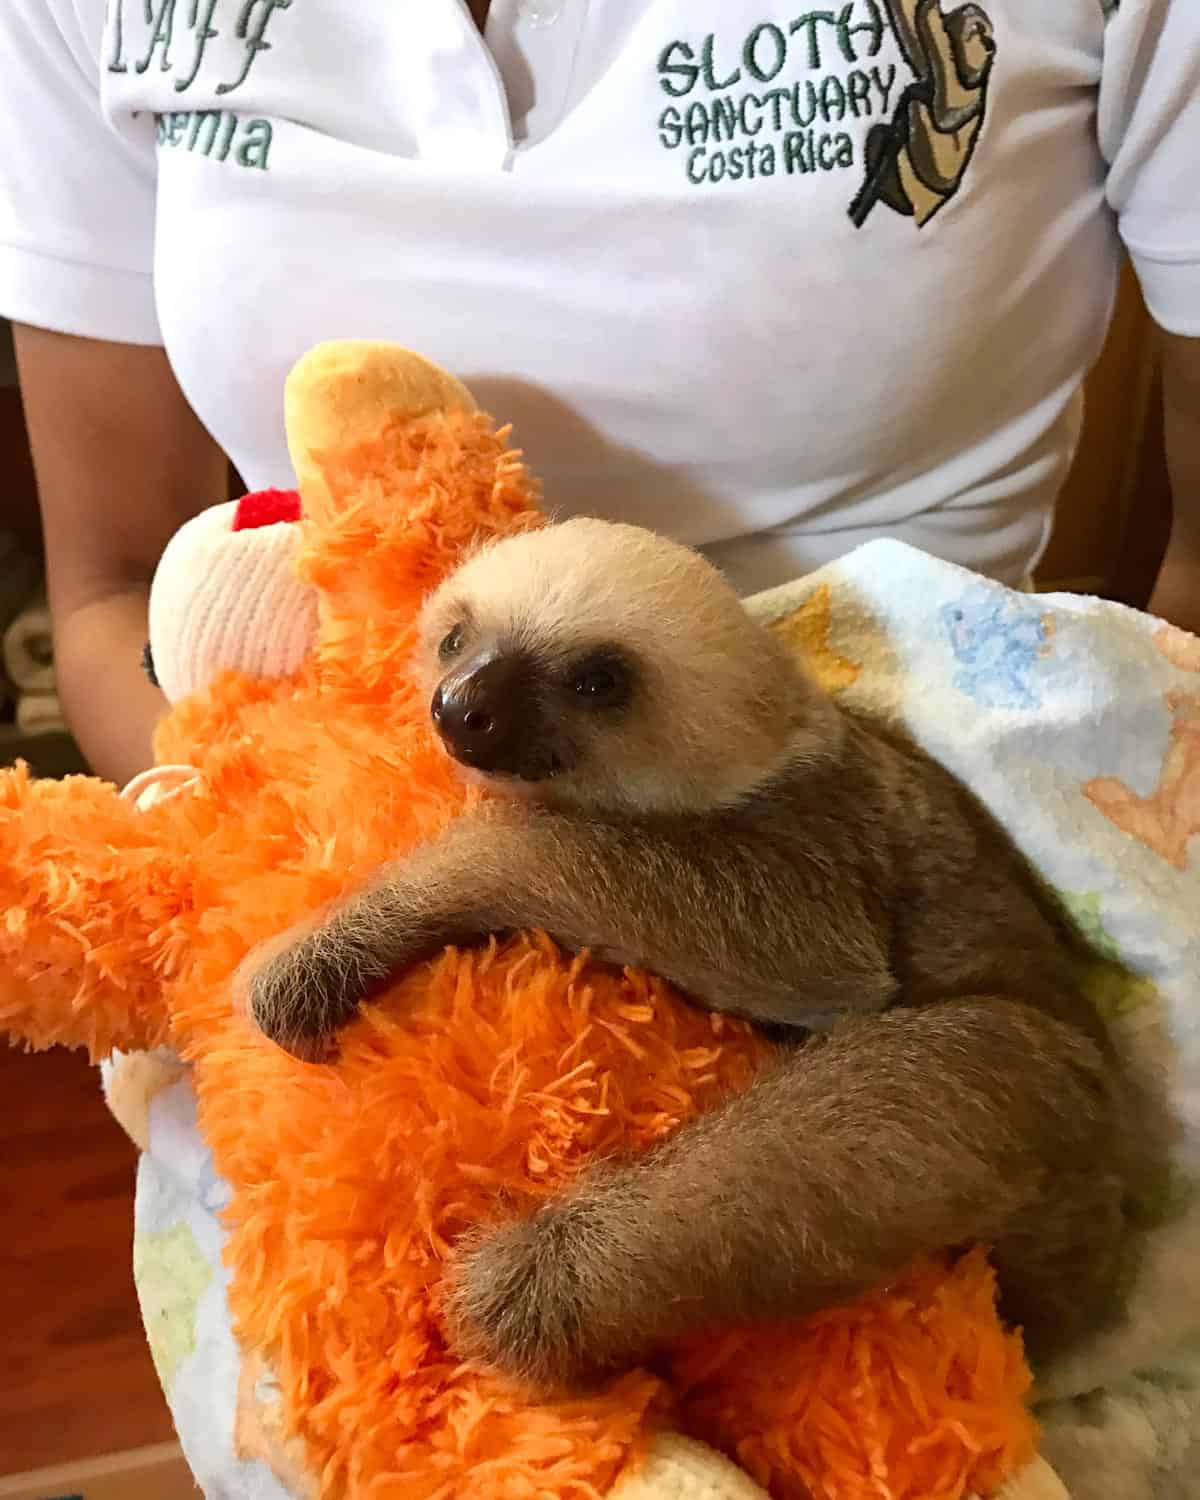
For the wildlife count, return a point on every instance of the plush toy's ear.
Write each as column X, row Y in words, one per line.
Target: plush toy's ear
column 399, row 475
column 225, row 596
column 344, row 400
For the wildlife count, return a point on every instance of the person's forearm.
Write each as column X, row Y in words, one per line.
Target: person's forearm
column 1176, row 594
column 122, row 461
column 110, row 704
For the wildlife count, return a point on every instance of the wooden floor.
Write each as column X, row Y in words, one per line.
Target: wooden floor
column 75, row 1374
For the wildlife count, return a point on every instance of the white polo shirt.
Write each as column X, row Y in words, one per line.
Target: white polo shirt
column 775, row 276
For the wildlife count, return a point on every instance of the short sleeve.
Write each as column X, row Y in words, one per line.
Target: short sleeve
column 76, row 197
column 1149, row 126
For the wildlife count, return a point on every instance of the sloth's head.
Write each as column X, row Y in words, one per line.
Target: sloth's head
column 601, row 666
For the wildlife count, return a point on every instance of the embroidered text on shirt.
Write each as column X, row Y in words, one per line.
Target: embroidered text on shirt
column 739, row 110
column 160, row 32
column 219, row 134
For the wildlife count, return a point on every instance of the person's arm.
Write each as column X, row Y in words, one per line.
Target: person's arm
column 1176, row 595
column 121, row 462
column 1148, row 131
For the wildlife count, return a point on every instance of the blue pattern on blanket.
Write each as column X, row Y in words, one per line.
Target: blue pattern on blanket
column 999, row 641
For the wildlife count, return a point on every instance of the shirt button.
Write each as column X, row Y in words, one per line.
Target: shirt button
column 540, row 15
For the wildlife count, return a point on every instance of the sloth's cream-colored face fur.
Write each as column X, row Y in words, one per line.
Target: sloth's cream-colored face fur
column 600, row 665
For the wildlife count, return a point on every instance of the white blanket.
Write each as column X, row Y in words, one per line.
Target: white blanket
column 1078, row 723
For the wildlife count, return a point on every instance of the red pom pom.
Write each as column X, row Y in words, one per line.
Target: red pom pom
column 265, row 508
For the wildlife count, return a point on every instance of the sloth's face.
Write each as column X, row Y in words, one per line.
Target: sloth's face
column 599, row 666
column 524, row 709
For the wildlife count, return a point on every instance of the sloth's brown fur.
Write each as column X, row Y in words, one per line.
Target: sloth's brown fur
column 733, row 829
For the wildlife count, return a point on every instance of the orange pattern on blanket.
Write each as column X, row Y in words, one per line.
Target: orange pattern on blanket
column 1169, row 818
column 1180, row 648
column 808, row 631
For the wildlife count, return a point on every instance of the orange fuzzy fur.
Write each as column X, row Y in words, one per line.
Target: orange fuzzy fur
column 485, row 1081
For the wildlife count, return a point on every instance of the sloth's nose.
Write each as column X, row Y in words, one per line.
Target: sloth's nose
column 478, row 712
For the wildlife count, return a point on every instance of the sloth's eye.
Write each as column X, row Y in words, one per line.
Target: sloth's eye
column 602, row 682
column 452, row 643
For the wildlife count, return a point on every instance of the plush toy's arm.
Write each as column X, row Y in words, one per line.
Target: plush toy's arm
column 87, row 894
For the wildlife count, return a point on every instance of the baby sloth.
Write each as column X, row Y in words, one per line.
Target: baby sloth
column 676, row 795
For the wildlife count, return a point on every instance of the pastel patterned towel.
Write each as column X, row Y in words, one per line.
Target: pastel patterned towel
column 1078, row 723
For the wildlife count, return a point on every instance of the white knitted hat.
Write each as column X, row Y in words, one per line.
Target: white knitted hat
column 225, row 596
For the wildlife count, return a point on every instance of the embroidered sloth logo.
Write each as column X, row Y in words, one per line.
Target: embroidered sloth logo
column 916, row 163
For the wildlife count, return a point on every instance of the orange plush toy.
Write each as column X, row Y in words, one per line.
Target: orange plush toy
column 296, row 758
